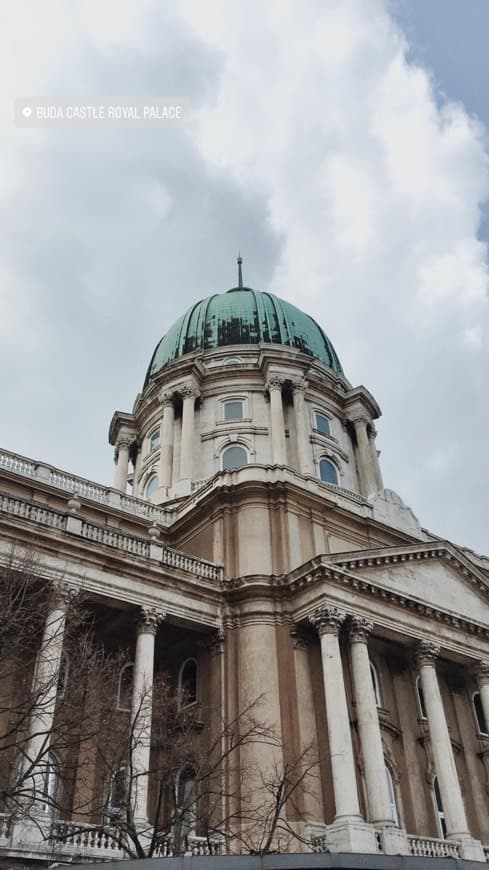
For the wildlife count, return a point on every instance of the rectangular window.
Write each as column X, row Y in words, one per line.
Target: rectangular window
column 233, row 410
column 322, row 423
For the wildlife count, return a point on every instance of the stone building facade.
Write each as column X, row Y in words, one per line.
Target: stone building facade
column 257, row 521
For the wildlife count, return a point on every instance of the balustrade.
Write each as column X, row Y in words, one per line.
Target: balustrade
column 429, row 847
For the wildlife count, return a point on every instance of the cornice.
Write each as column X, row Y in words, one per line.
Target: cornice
column 414, row 553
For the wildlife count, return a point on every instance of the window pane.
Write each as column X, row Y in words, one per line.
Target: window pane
column 152, row 485
column 479, row 712
column 188, row 682
column 322, row 424
column 328, row 472
column 154, row 439
column 234, row 457
column 233, row 410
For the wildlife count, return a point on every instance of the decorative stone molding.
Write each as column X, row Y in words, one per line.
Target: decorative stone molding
column 188, row 392
column 275, row 382
column 481, row 674
column 62, row 595
column 214, row 642
column 150, row 619
column 165, row 398
column 154, row 532
column 426, row 653
column 359, row 629
column 74, row 504
column 327, row 619
column 299, row 386
column 359, row 420
column 298, row 638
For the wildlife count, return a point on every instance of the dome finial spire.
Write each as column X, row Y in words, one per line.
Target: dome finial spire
column 240, row 273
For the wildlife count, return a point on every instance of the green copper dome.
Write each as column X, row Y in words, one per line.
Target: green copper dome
column 242, row 316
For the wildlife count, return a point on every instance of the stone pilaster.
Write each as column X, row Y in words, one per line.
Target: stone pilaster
column 166, row 440
column 141, row 711
column 372, row 434
column 121, row 456
column 426, row 654
column 277, row 422
column 189, row 395
column 394, row 840
column 304, row 452
column 368, row 482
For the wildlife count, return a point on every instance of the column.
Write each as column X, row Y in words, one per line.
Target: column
column 372, row 434
column 304, row 450
column 451, row 795
column 122, row 463
column 141, row 711
column 368, row 482
column 186, row 453
column 166, row 440
column 482, row 678
column 45, row 688
column 328, row 620
column 279, row 450
column 368, row 724
column 137, row 473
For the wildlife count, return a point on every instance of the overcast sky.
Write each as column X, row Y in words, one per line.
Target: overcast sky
column 343, row 147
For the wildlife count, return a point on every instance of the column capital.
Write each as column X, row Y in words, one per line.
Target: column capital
column 187, row 391
column 359, row 419
column 275, row 382
column 481, row 673
column 214, row 642
column 426, row 653
column 327, row 619
column 360, row 628
column 299, row 385
column 149, row 620
column 165, row 398
column 62, row 595
column 298, row 638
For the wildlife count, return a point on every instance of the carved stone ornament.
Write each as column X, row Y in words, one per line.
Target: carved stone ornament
column 188, row 392
column 165, row 398
column 426, row 653
column 62, row 595
column 299, row 640
column 359, row 420
column 150, row 619
column 299, row 386
column 274, row 382
column 327, row 619
column 360, row 629
column 482, row 674
column 215, row 642
column 123, row 442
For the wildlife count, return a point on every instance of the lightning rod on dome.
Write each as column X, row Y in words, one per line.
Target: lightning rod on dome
column 240, row 273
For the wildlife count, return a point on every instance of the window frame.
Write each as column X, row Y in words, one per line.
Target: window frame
column 192, row 808
column 320, row 413
column 180, row 683
column 324, row 458
column 152, row 476
column 120, row 707
column 441, row 821
column 50, row 784
column 233, row 400
column 479, row 715
column 391, row 788
column 155, row 433
column 111, row 811
column 420, row 699
column 379, row 698
column 230, row 447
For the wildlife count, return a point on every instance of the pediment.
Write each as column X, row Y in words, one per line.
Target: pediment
column 440, row 576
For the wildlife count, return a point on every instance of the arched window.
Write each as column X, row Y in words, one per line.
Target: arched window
column 321, row 423
column 64, row 671
column 233, row 409
column 154, row 440
column 186, row 798
column 328, row 472
column 234, row 457
column 124, row 690
column 479, row 714
column 50, row 788
column 440, row 813
column 376, row 684
column 116, row 793
column 233, row 361
column 187, row 683
column 392, row 795
column 151, row 486
column 420, row 697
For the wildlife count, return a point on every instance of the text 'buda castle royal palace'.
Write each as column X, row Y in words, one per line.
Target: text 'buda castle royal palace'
column 264, row 624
